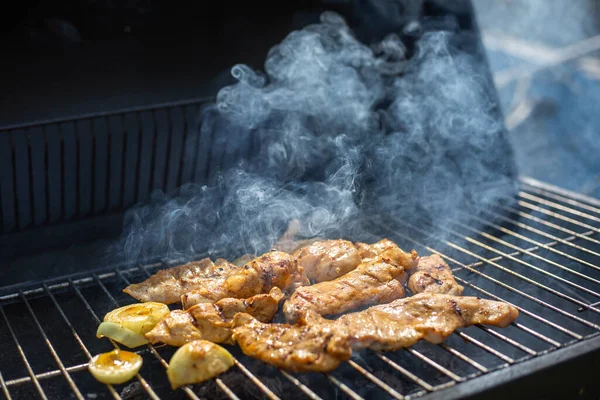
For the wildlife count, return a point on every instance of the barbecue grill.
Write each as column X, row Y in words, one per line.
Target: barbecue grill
column 65, row 183
column 542, row 257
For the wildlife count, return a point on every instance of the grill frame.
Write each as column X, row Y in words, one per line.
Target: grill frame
column 456, row 386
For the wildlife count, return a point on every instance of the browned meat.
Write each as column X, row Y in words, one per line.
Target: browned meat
column 428, row 316
column 273, row 269
column 433, row 275
column 318, row 344
column 369, row 252
column 302, row 347
column 328, row 259
column 167, row 286
column 243, row 259
column 377, row 281
column 213, row 322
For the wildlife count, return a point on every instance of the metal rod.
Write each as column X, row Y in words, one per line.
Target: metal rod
column 504, row 285
column 557, row 206
column 301, row 386
column 487, row 348
column 528, row 252
column 547, row 246
column 111, row 389
column 508, row 340
column 384, row 386
column 405, row 372
column 435, row 365
column 563, row 199
column 4, row 388
column 466, row 359
column 59, row 362
column 46, row 375
column 22, row 354
column 344, row 388
column 556, row 215
column 555, row 189
column 267, row 392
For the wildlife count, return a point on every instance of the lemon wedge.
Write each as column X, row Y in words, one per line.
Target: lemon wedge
column 115, row 367
column 119, row 334
column 196, row 362
column 139, row 318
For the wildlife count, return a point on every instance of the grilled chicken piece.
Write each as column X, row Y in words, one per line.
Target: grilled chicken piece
column 377, row 281
column 328, row 259
column 318, row 344
column 433, row 275
column 429, row 316
column 213, row 322
column 167, row 286
column 303, row 347
column 273, row 269
column 368, row 252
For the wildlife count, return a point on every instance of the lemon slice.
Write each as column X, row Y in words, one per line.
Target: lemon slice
column 139, row 318
column 120, row 334
column 115, row 367
column 196, row 362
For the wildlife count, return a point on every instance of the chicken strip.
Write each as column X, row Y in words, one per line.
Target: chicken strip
column 273, row 269
column 318, row 344
column 167, row 286
column 328, row 259
column 429, row 316
column 368, row 252
column 377, row 281
column 303, row 347
column 433, row 275
column 213, row 322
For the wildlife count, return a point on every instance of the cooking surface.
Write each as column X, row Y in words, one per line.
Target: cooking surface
column 540, row 253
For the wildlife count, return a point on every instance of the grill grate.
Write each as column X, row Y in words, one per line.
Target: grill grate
column 541, row 254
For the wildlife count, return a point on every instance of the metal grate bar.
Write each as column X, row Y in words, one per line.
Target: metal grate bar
column 563, row 199
column 351, row 393
column 555, row 189
column 558, row 206
column 530, row 253
column 487, row 348
column 504, row 285
column 46, row 375
column 111, row 389
column 4, row 388
column 22, row 354
column 435, row 365
column 384, row 386
column 466, row 359
column 557, row 216
column 529, row 265
column 59, row 362
column 267, row 392
column 405, row 372
column 506, row 339
column 302, row 386
column 547, row 246
column 87, row 305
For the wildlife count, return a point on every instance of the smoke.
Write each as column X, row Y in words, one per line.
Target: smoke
column 335, row 131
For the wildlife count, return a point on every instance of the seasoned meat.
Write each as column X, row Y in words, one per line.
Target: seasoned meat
column 167, row 286
column 328, row 259
column 273, row 269
column 318, row 344
column 213, row 322
column 302, row 347
column 377, row 281
column 369, row 252
column 428, row 316
column 433, row 275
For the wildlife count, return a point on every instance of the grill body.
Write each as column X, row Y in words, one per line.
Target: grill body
column 541, row 255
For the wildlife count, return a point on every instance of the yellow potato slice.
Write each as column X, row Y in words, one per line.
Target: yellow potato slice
column 119, row 334
column 196, row 362
column 115, row 367
column 140, row 317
